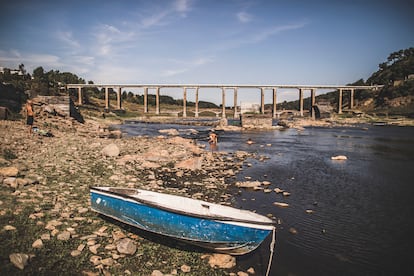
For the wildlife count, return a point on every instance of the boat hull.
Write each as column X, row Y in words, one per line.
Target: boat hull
column 225, row 236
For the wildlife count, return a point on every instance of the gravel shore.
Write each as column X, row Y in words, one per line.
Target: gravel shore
column 46, row 225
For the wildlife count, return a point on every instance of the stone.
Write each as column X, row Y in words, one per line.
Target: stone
column 20, row 260
column 339, row 157
column 94, row 248
column 222, row 261
column 248, row 184
column 126, row 246
column 9, row 171
column 22, row 182
column 37, row 244
column 82, row 210
column 293, row 231
column 185, row 268
column 251, row 270
column 278, row 190
column 157, row 273
column 64, row 236
column 190, row 164
column 75, row 253
column 9, row 228
column 110, row 247
column 95, row 260
column 10, row 181
column 117, row 235
column 110, row 150
column 281, row 204
column 107, row 261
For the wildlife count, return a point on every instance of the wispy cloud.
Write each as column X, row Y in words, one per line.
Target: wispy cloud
column 182, row 6
column 165, row 15
column 269, row 32
column 67, row 38
column 182, row 66
column 244, row 17
column 110, row 38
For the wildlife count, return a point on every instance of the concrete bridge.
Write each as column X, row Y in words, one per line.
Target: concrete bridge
column 224, row 88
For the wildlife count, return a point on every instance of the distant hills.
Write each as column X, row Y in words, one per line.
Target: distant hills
column 395, row 98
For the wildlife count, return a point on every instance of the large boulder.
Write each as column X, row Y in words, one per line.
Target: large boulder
column 9, row 171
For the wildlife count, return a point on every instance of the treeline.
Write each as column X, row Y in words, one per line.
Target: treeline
column 18, row 84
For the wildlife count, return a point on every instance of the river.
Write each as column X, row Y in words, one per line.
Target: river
column 362, row 207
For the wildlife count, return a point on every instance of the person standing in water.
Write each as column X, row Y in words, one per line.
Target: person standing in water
column 29, row 116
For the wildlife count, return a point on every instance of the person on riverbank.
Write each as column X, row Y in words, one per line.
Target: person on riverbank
column 29, row 116
column 213, row 138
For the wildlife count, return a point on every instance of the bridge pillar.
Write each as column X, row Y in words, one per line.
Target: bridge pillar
column 196, row 103
column 119, row 98
column 351, row 98
column 157, row 101
column 223, row 102
column 185, row 102
column 301, row 102
column 313, row 102
column 235, row 103
column 80, row 99
column 340, row 101
column 106, row 98
column 262, row 106
column 274, row 102
column 145, row 99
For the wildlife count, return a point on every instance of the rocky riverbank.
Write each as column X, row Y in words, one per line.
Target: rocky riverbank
column 46, row 225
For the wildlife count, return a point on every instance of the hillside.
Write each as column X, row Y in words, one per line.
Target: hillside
column 395, row 98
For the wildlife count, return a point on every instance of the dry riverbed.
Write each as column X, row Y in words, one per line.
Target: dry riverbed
column 47, row 227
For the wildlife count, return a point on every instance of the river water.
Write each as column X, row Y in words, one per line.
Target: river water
column 363, row 207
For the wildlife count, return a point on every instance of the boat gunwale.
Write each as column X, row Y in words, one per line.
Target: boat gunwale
column 224, row 219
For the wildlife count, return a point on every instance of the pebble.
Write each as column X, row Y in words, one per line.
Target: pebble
column 19, row 260
column 94, row 248
column 222, row 261
column 64, row 236
column 293, row 231
column 107, row 261
column 75, row 253
column 278, row 190
column 339, row 157
column 185, row 268
column 126, row 246
column 157, row 273
column 9, row 228
column 281, row 204
column 37, row 244
column 95, row 260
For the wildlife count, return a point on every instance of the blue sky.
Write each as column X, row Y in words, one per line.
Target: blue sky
column 206, row 41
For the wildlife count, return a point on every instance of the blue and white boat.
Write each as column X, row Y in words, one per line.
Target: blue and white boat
column 216, row 227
